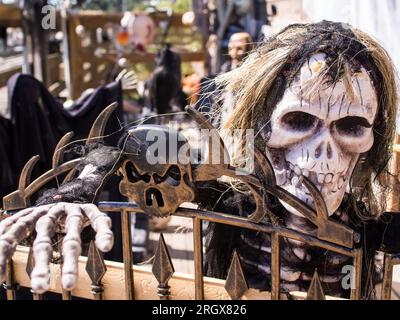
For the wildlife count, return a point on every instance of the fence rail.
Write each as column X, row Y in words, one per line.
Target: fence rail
column 142, row 282
column 277, row 233
column 161, row 281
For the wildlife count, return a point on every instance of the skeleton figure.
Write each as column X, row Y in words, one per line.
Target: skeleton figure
column 322, row 100
column 240, row 44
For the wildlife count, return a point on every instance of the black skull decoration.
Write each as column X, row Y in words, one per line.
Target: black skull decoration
column 156, row 171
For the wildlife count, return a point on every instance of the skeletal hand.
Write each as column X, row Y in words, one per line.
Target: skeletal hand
column 128, row 80
column 44, row 219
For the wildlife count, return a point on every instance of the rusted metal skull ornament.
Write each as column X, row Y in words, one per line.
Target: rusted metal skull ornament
column 156, row 171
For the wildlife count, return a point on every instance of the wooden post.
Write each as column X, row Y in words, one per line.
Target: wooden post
column 27, row 41
column 40, row 46
column 35, row 38
column 198, row 258
column 394, row 197
column 127, row 255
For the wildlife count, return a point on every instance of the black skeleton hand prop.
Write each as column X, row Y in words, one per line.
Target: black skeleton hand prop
column 44, row 220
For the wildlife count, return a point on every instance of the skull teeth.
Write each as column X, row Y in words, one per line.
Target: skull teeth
column 341, row 182
column 296, row 181
column 320, row 180
column 297, row 170
column 328, row 178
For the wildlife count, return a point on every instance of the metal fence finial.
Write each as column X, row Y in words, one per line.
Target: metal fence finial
column 236, row 284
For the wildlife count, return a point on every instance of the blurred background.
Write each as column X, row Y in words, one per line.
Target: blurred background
column 200, row 33
column 62, row 62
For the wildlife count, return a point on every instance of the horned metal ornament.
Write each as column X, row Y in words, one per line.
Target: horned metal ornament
column 142, row 181
column 169, row 182
column 19, row 199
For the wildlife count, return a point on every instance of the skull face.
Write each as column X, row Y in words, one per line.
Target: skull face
column 141, row 30
column 321, row 135
column 155, row 176
column 237, row 48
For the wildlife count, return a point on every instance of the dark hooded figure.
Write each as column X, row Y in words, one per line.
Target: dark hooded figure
column 164, row 85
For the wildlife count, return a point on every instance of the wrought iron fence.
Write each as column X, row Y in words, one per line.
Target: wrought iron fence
column 330, row 236
column 235, row 283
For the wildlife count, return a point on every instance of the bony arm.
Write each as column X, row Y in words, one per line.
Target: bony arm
column 70, row 205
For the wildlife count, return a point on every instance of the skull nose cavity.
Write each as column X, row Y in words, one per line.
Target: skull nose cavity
column 329, row 151
column 154, row 198
column 319, row 151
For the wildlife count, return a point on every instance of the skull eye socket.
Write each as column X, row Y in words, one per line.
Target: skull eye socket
column 299, row 121
column 132, row 174
column 352, row 126
column 172, row 176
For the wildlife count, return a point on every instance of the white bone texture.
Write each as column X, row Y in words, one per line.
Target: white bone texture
column 320, row 133
column 128, row 80
column 45, row 219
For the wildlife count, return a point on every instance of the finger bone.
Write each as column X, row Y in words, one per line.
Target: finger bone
column 17, row 232
column 71, row 246
column 101, row 223
column 42, row 249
